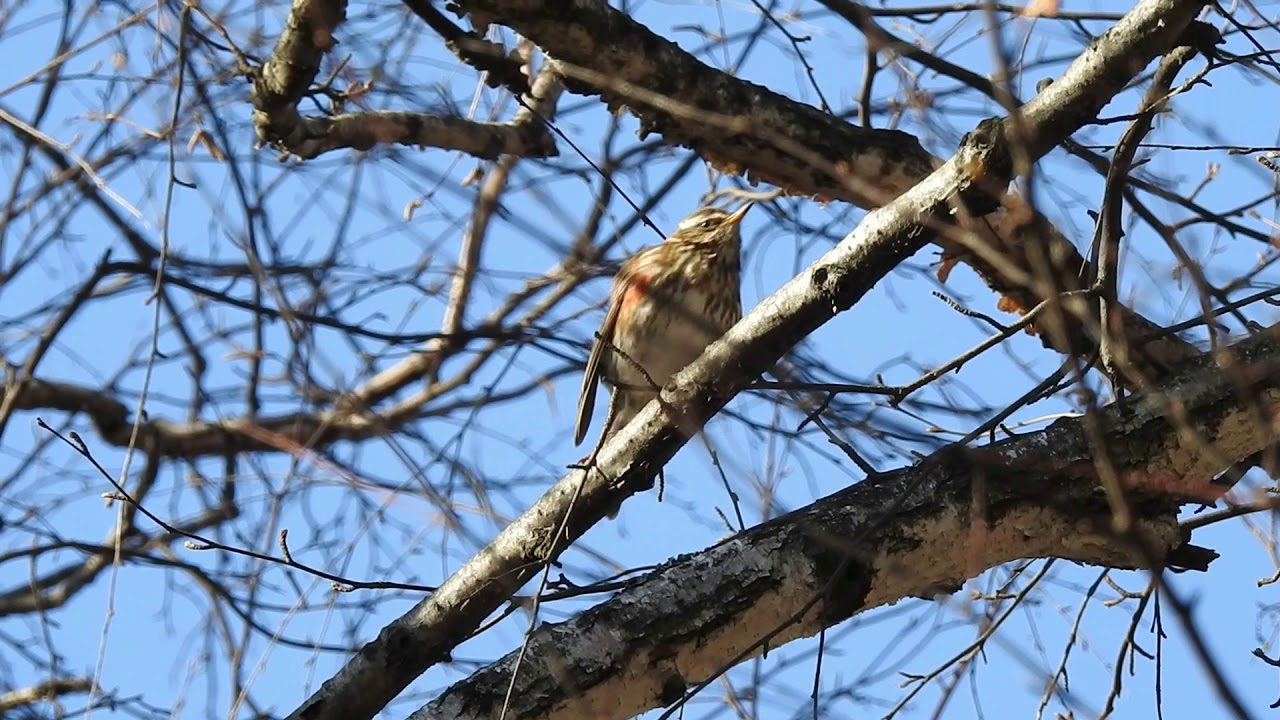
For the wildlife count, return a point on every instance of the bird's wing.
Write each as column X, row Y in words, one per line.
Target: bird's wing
column 591, row 376
column 630, row 286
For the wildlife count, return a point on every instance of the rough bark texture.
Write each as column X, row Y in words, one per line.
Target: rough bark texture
column 805, row 151
column 912, row 533
column 427, row 633
column 282, row 81
column 295, row 61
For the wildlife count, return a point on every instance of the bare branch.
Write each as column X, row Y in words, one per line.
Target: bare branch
column 286, row 78
column 49, row 689
column 426, row 634
column 742, row 127
column 903, row 534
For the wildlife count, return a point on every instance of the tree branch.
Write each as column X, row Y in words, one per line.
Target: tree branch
column 287, row 76
column 769, row 137
column 909, row 533
column 47, row 690
column 426, row 634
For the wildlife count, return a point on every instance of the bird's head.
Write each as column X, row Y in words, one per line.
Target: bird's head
column 710, row 226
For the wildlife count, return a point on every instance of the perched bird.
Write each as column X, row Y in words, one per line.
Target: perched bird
column 667, row 304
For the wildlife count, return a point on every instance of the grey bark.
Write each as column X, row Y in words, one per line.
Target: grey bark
column 426, row 634
column 916, row 532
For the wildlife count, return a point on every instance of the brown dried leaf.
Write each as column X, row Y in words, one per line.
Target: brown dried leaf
column 472, row 177
column 947, row 264
column 1009, row 305
column 200, row 137
column 1012, row 306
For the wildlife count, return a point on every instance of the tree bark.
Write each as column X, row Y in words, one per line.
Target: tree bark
column 915, row 532
column 427, row 633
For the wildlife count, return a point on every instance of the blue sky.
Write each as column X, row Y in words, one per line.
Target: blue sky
column 153, row 642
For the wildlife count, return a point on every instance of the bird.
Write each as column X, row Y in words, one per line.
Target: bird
column 667, row 303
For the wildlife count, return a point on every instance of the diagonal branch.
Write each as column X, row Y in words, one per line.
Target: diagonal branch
column 909, row 533
column 769, row 137
column 427, row 633
column 538, row 112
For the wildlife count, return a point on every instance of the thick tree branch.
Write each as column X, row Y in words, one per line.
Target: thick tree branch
column 113, row 423
column 294, row 63
column 911, row 533
column 772, row 138
column 287, row 76
column 427, row 633
column 314, row 136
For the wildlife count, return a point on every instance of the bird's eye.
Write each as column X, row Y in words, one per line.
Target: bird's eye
column 706, row 224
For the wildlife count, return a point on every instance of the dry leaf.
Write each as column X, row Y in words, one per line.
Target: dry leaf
column 472, row 177
column 947, row 264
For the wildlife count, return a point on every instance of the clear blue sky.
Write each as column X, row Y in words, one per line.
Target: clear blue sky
column 153, row 643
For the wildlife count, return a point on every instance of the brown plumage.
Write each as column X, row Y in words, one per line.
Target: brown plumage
column 667, row 304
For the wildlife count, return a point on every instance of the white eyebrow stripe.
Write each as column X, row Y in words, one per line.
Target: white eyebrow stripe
column 693, row 220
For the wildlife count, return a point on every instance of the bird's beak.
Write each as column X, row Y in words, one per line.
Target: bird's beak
column 736, row 216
